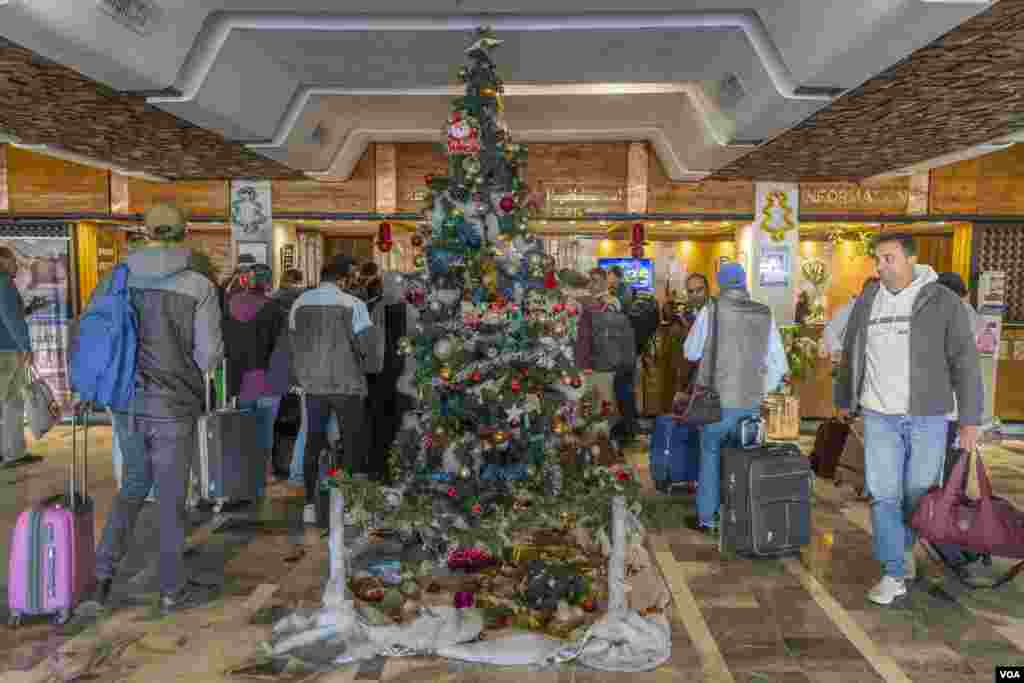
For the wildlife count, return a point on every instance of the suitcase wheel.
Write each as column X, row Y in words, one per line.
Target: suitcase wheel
column 62, row 617
column 14, row 621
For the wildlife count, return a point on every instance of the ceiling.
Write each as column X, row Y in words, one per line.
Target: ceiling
column 959, row 93
column 703, row 80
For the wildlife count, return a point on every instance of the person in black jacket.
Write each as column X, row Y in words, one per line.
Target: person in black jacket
column 385, row 405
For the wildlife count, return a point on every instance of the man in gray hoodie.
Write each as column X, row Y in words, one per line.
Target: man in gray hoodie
column 179, row 341
column 908, row 350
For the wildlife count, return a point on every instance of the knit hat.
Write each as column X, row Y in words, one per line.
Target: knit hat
column 165, row 223
column 732, row 276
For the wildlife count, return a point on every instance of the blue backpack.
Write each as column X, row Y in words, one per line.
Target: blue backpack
column 104, row 352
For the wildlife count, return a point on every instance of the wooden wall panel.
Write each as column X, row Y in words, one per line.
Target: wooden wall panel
column 414, row 161
column 214, row 243
column 194, row 197
column 710, row 196
column 935, row 251
column 954, row 188
column 597, row 165
column 1009, row 403
column 38, row 184
column 989, row 185
column 844, row 198
column 354, row 194
column 4, row 197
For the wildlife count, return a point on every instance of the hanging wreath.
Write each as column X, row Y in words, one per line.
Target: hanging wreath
column 777, row 199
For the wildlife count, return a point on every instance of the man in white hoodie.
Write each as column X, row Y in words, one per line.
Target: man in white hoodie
column 908, row 351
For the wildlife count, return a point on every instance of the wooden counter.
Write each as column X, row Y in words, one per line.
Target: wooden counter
column 815, row 390
column 1010, row 377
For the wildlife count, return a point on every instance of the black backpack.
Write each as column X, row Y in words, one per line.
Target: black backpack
column 614, row 342
column 645, row 317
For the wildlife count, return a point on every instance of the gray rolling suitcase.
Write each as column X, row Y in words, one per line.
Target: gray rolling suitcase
column 232, row 461
column 766, row 500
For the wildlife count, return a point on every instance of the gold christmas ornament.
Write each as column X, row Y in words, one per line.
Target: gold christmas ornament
column 445, row 373
column 465, row 472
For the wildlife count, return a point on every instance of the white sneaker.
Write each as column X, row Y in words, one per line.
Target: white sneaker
column 909, row 565
column 887, row 590
column 309, row 514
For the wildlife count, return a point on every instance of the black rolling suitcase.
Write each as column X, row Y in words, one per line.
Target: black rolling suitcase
column 232, row 460
column 766, row 500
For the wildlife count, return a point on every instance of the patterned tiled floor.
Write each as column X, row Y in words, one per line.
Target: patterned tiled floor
column 734, row 620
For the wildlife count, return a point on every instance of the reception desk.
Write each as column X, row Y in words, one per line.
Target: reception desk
column 815, row 390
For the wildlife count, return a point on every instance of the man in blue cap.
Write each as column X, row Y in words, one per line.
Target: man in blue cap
column 750, row 361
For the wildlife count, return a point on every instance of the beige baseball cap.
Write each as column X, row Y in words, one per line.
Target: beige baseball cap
column 165, row 222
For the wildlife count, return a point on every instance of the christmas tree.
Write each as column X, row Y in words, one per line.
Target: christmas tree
column 504, row 435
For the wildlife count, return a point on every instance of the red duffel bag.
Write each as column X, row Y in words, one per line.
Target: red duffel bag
column 987, row 525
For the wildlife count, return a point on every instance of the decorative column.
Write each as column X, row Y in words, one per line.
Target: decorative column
column 120, row 196
column 617, row 559
column 775, row 249
column 917, row 202
column 386, row 201
column 5, row 196
column 636, row 178
column 252, row 221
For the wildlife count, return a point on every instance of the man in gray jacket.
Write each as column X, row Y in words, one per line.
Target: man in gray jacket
column 334, row 343
column 179, row 341
column 908, row 349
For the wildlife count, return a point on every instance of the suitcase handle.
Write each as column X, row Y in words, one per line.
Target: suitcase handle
column 209, row 384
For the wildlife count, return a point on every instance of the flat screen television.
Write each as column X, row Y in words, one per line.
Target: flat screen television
column 639, row 272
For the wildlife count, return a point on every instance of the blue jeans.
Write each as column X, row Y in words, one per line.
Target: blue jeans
column 268, row 407
column 153, row 450
column 118, row 457
column 712, row 436
column 903, row 458
column 295, row 472
column 625, row 396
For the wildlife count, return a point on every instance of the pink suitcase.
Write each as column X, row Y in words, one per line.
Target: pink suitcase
column 53, row 551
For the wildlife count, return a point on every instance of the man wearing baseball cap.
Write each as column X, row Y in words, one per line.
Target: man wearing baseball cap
column 179, row 340
column 750, row 361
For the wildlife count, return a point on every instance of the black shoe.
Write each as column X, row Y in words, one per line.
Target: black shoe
column 101, row 593
column 191, row 595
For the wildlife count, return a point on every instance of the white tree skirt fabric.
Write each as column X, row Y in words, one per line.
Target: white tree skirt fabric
column 623, row 640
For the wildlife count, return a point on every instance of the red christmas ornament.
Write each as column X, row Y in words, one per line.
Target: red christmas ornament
column 507, row 203
column 429, row 178
column 638, row 233
column 515, row 385
column 638, row 251
column 384, row 241
column 452, row 492
column 475, row 376
column 549, row 280
column 558, row 308
column 577, row 382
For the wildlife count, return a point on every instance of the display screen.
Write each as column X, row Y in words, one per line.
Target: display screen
column 639, row 272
